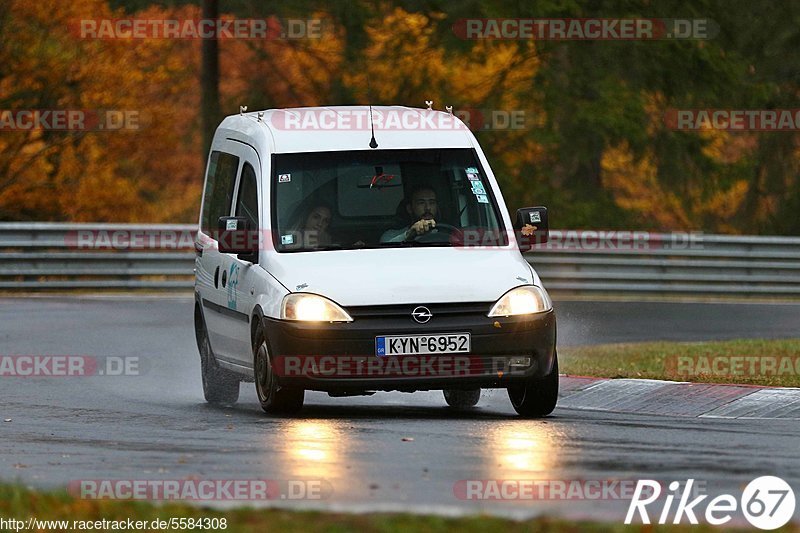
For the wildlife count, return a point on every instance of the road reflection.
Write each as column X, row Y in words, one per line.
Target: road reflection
column 520, row 449
column 314, row 448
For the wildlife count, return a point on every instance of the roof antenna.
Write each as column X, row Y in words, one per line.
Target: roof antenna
column 372, row 142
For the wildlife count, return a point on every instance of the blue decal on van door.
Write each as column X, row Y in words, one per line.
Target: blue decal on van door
column 380, row 346
column 233, row 282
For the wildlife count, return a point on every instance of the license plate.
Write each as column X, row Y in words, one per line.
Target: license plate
column 422, row 344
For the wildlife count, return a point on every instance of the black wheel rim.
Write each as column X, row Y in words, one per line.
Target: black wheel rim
column 263, row 374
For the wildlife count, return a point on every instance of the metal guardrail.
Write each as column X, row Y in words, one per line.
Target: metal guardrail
column 52, row 256
column 697, row 264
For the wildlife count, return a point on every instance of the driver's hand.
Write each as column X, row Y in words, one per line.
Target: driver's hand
column 420, row 227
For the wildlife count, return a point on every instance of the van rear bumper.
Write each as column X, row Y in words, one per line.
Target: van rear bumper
column 341, row 357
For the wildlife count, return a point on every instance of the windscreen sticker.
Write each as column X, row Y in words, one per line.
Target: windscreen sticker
column 536, row 216
column 482, row 198
column 477, row 188
column 287, row 239
column 230, row 225
column 471, row 170
column 284, row 178
column 473, row 176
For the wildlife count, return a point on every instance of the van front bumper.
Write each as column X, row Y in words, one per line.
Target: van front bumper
column 341, row 357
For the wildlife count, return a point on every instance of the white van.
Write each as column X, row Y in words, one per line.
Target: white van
column 360, row 249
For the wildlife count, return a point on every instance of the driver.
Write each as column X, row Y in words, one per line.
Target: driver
column 422, row 208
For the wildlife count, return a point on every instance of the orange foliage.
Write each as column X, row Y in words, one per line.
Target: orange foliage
column 703, row 203
column 150, row 174
column 636, row 188
column 154, row 174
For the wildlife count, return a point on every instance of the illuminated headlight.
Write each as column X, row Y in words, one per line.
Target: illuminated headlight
column 525, row 300
column 312, row 308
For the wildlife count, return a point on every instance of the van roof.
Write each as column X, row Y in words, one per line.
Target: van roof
column 320, row 129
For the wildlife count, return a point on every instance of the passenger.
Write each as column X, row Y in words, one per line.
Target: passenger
column 313, row 230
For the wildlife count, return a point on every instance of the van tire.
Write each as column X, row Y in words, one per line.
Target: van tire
column 462, row 399
column 220, row 386
column 536, row 398
column 274, row 399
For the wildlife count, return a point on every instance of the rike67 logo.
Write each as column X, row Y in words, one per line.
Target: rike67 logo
column 767, row 502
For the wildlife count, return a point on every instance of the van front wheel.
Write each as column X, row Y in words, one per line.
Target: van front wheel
column 536, row 398
column 273, row 398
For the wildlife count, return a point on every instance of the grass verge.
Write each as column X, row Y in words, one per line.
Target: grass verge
column 748, row 361
column 22, row 504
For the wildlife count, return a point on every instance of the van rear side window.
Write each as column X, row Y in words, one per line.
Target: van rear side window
column 219, row 189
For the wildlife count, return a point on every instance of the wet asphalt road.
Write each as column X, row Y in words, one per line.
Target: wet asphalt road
column 390, row 451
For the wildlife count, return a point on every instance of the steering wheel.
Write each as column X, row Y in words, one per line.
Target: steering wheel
column 441, row 230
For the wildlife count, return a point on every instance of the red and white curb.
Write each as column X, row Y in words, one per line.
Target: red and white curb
column 671, row 398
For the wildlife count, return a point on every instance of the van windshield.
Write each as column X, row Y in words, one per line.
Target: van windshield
column 377, row 198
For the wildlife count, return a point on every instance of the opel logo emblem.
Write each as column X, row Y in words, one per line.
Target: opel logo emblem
column 421, row 314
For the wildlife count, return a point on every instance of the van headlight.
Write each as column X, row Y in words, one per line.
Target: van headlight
column 525, row 300
column 312, row 308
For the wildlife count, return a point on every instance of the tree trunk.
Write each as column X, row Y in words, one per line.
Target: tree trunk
column 209, row 80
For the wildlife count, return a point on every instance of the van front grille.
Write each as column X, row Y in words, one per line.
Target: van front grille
column 404, row 310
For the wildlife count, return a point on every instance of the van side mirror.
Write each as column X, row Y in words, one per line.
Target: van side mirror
column 531, row 227
column 234, row 236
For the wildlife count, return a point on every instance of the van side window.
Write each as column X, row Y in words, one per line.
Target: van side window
column 219, row 189
column 247, row 203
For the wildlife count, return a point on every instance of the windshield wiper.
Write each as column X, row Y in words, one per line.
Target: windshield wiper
column 392, row 244
column 407, row 244
column 313, row 248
